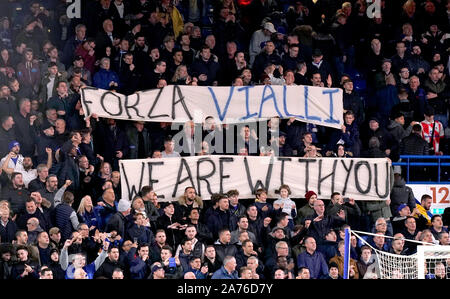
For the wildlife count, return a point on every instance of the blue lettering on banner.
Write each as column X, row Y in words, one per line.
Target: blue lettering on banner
column 285, row 105
column 309, row 117
column 331, row 120
column 225, row 109
column 266, row 98
column 246, row 89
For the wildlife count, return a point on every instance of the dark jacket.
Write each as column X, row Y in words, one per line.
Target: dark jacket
column 16, row 198
column 5, row 139
column 218, row 220
column 8, row 232
column 107, row 268
column 25, row 134
column 319, row 229
column 401, row 194
column 118, row 223
column 210, row 68
column 223, row 250
column 133, row 139
column 414, row 145
column 18, row 268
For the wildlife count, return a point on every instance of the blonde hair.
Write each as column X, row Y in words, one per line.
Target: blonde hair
column 82, row 206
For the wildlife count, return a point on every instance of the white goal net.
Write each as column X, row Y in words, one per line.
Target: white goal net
column 430, row 262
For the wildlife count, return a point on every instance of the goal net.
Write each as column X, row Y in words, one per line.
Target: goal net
column 429, row 262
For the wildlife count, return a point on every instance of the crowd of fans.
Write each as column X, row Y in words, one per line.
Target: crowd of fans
column 61, row 212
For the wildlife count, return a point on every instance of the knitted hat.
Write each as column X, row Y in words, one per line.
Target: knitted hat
column 13, row 144
column 309, row 194
column 123, row 205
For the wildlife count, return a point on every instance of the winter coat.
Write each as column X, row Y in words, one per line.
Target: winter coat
column 401, row 194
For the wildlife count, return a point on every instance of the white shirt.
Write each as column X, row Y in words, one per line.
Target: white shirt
column 27, row 176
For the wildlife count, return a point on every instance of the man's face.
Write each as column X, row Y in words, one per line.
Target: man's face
column 44, row 239
column 210, row 252
column 22, row 255
column 373, row 125
column 410, row 223
column 14, row 86
column 187, row 246
column 376, row 45
column 18, row 180
column 426, row 203
column 114, row 255
column 16, row 149
column 293, row 52
column 140, row 41
column 225, row 237
column 437, row 223
column 248, row 248
column 434, row 75
column 27, row 163
column 305, row 274
column 161, row 237
column 191, row 194
column 224, row 204
column 311, row 244
column 62, row 88
column 416, row 50
column 143, row 251
column 398, row 245
column 319, row 207
column 196, row 264
column 279, row 274
column 56, row 237
column 165, row 254
column 115, row 177
column 206, row 54
column 378, row 240
column 194, row 215
column 444, row 239
column 31, row 207
column 170, row 210
column 191, row 232
column 22, row 238
column 334, row 272
column 52, row 184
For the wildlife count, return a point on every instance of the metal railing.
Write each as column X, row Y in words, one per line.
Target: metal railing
column 408, row 162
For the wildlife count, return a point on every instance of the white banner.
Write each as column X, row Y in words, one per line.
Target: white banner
column 173, row 103
column 361, row 179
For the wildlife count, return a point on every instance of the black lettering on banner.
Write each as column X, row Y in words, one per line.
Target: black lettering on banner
column 282, row 168
column 138, row 97
column 151, row 181
column 321, row 179
column 149, row 115
column 180, row 172
column 307, row 161
column 222, row 176
column 177, row 89
column 206, row 176
column 258, row 184
column 133, row 191
column 87, row 111
column 386, row 182
column 358, row 186
column 102, row 103
column 348, row 170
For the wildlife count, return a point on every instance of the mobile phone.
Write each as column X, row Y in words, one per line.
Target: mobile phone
column 346, row 199
column 135, row 240
column 172, row 263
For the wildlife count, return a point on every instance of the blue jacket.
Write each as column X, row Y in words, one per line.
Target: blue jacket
column 223, row 274
column 315, row 263
column 103, row 77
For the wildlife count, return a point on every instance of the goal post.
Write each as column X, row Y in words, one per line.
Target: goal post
column 429, row 262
